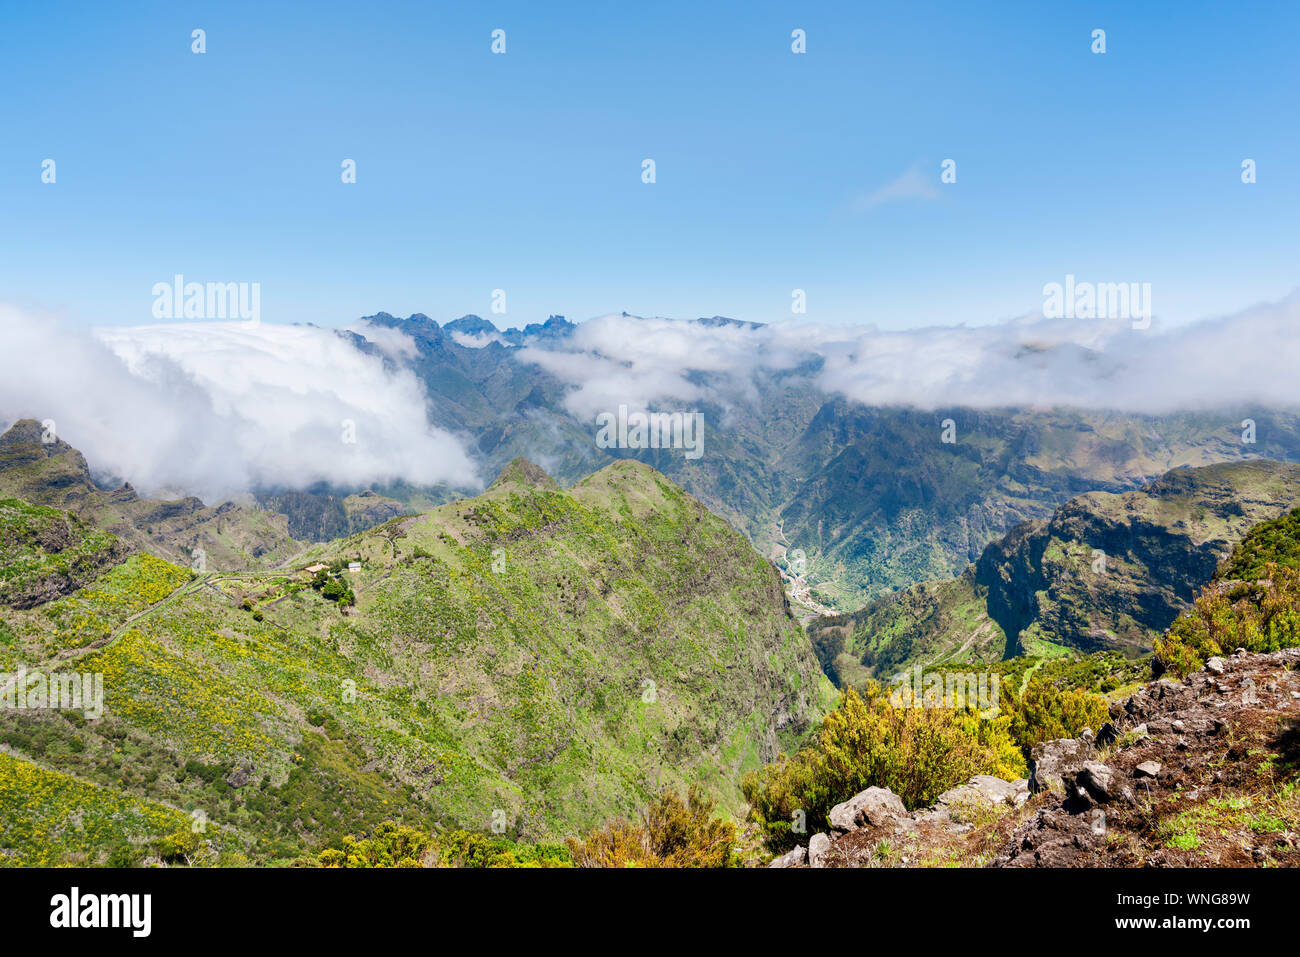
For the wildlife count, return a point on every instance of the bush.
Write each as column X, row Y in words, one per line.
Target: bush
column 672, row 833
column 470, row 849
column 1045, row 712
column 392, row 845
column 177, row 846
column 395, row 845
column 916, row 752
column 1262, row 615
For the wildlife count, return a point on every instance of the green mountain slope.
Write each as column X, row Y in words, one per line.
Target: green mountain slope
column 533, row 659
column 46, row 553
column 1106, row 571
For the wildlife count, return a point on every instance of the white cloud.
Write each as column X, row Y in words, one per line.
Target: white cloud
column 479, row 341
column 218, row 408
column 1248, row 357
column 911, row 185
column 394, row 343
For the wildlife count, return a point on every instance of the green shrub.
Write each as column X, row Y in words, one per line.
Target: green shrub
column 672, row 833
column 337, row 591
column 460, row 848
column 1262, row 615
column 392, row 845
column 916, row 752
column 1045, row 712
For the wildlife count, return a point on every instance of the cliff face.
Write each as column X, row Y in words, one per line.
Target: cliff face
column 1112, row 571
column 46, row 553
column 1105, row 571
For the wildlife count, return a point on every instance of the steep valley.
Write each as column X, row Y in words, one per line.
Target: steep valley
column 1105, row 572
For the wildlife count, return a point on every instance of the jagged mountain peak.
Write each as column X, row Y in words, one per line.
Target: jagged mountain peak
column 26, row 439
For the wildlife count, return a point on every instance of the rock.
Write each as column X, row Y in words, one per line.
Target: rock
column 1179, row 726
column 791, row 858
column 1051, row 763
column 1098, row 780
column 238, row 777
column 1147, row 769
column 1140, row 731
column 1239, row 653
column 818, row 845
column 872, row 807
column 1216, row 666
column 1166, row 688
column 1107, row 733
column 982, row 789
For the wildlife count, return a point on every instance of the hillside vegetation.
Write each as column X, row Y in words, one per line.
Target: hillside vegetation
column 529, row 664
column 1252, row 603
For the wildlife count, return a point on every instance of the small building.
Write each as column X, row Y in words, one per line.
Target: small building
column 318, row 567
column 354, row 567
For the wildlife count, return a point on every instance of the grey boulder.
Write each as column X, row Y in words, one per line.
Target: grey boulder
column 872, row 807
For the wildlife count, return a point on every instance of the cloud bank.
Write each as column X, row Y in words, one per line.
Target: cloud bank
column 1249, row 357
column 216, row 408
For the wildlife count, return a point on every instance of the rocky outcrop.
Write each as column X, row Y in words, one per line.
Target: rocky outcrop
column 984, row 790
column 818, row 845
column 876, row 814
column 1176, row 752
column 791, row 858
column 1185, row 773
column 1052, row 762
column 46, row 553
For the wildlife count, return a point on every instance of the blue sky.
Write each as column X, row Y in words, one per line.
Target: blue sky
column 523, row 171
